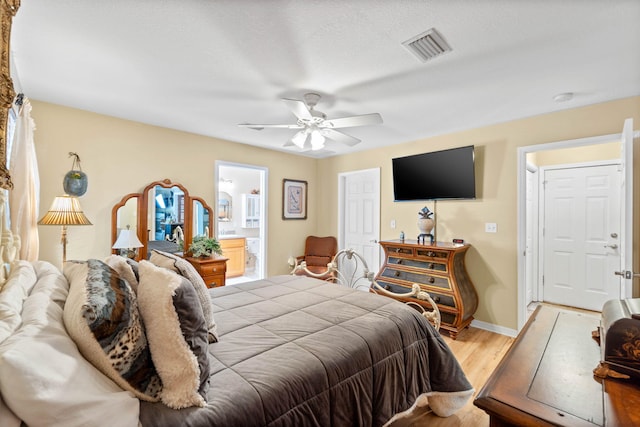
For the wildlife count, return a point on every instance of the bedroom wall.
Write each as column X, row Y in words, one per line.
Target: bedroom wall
column 122, row 157
column 492, row 260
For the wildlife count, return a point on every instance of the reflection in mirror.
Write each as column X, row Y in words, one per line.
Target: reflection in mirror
column 224, row 206
column 165, row 219
column 201, row 219
column 125, row 214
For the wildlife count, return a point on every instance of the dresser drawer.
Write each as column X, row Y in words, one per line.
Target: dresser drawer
column 432, row 254
column 425, row 265
column 443, row 300
column 214, row 281
column 397, row 250
column 209, row 269
column 423, row 279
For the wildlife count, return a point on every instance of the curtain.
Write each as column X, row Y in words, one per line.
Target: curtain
column 23, row 199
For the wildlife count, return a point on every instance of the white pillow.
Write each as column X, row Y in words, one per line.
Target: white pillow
column 45, row 380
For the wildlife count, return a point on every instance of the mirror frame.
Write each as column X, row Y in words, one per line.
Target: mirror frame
column 8, row 9
column 143, row 211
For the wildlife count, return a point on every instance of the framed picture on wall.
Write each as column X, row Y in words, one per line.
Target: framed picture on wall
column 294, row 199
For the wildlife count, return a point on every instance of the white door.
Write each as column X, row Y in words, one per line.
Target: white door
column 582, row 227
column 360, row 215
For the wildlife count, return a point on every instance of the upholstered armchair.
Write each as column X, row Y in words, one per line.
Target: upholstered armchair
column 318, row 252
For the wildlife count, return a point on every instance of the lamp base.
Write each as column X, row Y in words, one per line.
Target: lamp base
column 127, row 253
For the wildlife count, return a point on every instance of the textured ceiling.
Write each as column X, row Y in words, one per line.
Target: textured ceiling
column 205, row 66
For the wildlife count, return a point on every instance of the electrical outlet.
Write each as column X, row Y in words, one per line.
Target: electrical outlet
column 393, row 223
column 490, row 227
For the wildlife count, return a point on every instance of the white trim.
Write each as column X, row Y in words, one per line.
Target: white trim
column 494, row 328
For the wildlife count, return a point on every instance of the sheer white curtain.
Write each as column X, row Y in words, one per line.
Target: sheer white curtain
column 23, row 199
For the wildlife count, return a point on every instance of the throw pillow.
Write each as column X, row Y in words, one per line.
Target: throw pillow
column 101, row 316
column 126, row 268
column 177, row 335
column 184, row 268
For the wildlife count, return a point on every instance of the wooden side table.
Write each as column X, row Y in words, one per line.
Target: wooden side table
column 212, row 269
column 546, row 378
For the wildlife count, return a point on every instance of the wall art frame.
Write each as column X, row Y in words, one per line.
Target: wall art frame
column 294, row 199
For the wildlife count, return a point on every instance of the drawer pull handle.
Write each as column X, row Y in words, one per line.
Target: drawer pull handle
column 396, row 273
column 431, row 280
column 399, row 261
column 431, row 253
column 432, row 266
column 436, row 299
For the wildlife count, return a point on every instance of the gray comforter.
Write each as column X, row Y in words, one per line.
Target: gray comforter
column 296, row 351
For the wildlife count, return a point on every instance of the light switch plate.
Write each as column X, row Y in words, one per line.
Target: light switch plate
column 490, row 227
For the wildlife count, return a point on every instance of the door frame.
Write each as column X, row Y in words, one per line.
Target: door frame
column 342, row 179
column 264, row 179
column 521, row 207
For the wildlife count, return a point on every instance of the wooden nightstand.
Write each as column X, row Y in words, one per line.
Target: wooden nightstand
column 211, row 269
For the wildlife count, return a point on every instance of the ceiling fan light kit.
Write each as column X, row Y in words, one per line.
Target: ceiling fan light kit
column 314, row 126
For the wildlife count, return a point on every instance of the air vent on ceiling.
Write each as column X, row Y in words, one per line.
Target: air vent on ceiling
column 427, row 45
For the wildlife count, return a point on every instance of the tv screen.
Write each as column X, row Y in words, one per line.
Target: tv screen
column 446, row 174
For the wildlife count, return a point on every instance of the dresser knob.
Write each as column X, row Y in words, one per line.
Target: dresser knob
column 431, row 280
column 436, row 299
column 431, row 253
column 432, row 265
column 399, row 261
column 397, row 274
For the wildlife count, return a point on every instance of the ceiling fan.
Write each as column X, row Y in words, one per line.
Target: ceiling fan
column 314, row 128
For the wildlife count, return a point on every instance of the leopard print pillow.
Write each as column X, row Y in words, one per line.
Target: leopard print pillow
column 101, row 315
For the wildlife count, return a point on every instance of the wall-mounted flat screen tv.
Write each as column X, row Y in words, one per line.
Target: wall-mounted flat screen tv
column 438, row 175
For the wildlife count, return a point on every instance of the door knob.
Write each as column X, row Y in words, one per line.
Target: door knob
column 613, row 246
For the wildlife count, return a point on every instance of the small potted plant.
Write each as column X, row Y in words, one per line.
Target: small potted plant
column 202, row 246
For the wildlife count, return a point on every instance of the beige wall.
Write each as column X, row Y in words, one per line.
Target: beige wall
column 590, row 153
column 121, row 157
column 492, row 260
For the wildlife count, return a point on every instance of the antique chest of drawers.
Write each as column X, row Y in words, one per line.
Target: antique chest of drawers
column 212, row 269
column 440, row 270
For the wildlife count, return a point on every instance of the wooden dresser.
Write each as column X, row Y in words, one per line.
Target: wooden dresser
column 212, row 269
column 440, row 270
column 546, row 378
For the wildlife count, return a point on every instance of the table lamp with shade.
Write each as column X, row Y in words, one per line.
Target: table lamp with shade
column 127, row 243
column 65, row 210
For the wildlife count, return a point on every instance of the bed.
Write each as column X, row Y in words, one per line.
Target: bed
column 285, row 351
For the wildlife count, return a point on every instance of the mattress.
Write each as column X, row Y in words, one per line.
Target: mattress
column 297, row 351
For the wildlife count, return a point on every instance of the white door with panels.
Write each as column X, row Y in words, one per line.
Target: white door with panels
column 360, row 215
column 582, row 227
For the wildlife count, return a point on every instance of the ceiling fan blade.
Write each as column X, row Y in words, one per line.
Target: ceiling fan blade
column 340, row 137
column 352, row 121
column 260, row 127
column 298, row 108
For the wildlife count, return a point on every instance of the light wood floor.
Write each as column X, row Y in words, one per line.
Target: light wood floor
column 479, row 352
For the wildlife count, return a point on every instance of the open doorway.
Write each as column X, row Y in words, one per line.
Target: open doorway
column 241, row 220
column 536, row 165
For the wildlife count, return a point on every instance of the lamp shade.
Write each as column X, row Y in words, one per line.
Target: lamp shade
column 65, row 210
column 127, row 239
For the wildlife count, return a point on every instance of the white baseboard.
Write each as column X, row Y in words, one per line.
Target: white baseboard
column 494, row 328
